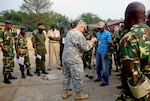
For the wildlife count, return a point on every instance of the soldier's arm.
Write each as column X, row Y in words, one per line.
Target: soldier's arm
column 1, row 42
column 83, row 44
column 16, row 47
column 131, row 61
column 3, row 47
column 54, row 38
column 35, row 49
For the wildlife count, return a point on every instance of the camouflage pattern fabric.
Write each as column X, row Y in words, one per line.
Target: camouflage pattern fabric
column 135, row 55
column 72, row 59
column 21, row 42
column 113, row 51
column 87, row 55
column 6, row 39
column 39, row 39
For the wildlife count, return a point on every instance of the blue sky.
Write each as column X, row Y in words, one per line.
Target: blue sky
column 105, row 9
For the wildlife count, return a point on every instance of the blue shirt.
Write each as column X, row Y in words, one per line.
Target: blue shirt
column 103, row 39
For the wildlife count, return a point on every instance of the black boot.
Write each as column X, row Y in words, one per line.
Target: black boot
column 44, row 72
column 89, row 66
column 35, row 71
column 6, row 80
column 28, row 73
column 84, row 64
column 22, row 74
column 11, row 77
column 38, row 72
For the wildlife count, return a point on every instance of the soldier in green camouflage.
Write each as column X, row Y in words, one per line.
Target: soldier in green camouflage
column 22, row 51
column 135, row 55
column 113, row 49
column 87, row 55
column 6, row 43
column 148, row 19
column 40, row 49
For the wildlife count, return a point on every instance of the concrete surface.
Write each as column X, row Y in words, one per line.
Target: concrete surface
column 37, row 89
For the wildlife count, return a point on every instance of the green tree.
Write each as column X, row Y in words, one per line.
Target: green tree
column 11, row 15
column 38, row 11
column 36, row 6
column 89, row 18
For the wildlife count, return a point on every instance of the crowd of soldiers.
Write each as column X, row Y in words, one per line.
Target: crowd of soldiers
column 38, row 40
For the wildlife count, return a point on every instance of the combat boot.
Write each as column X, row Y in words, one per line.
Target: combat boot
column 44, row 72
column 66, row 93
column 38, row 72
column 28, row 73
column 6, row 80
column 11, row 77
column 80, row 96
column 22, row 74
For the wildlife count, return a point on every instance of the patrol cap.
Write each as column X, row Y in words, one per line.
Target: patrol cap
column 24, row 27
column 41, row 27
column 8, row 22
column 101, row 24
column 83, row 23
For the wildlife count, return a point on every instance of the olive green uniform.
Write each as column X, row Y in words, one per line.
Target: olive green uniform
column 39, row 39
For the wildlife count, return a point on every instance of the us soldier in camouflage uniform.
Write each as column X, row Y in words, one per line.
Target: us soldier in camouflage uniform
column 6, row 43
column 72, row 60
column 135, row 55
column 87, row 55
column 40, row 49
column 22, row 51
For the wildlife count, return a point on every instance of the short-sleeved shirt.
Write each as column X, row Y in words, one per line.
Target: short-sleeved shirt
column 55, row 33
column 21, row 42
column 39, row 39
column 135, row 51
column 6, row 38
column 103, row 39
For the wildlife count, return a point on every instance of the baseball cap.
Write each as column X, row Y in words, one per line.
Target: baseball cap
column 101, row 24
column 83, row 23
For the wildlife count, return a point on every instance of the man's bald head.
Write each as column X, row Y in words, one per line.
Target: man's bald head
column 135, row 7
column 134, row 14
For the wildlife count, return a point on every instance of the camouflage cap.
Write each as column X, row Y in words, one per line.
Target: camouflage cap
column 41, row 27
column 8, row 22
column 83, row 23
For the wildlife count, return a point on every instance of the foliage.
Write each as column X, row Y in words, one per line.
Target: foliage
column 89, row 18
column 36, row 6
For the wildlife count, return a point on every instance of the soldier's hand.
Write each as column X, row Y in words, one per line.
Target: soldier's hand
column 93, row 39
column 4, row 49
column 17, row 56
column 35, row 52
column 106, row 56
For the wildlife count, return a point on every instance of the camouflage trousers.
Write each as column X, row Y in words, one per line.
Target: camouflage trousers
column 87, row 57
column 8, row 65
column 40, row 63
column 70, row 72
column 25, row 54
